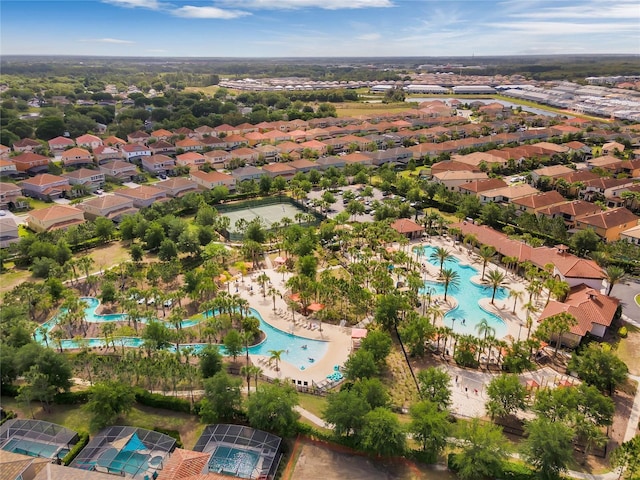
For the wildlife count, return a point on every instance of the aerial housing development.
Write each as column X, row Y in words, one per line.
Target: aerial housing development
column 309, row 266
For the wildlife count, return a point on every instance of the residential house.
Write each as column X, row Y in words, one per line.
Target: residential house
column 254, row 138
column 289, row 150
column 608, row 162
column 113, row 207
column 185, row 132
column 593, row 311
column 538, row 201
column 267, row 153
column 631, row 168
column 235, row 141
column 476, row 187
column 177, row 186
column 582, row 151
column 245, row 128
column 303, row 165
column 162, row 147
column 190, row 145
column 213, row 143
column 193, row 160
column 452, row 166
column 114, row 141
column 594, row 189
column 507, row 194
column 611, row 147
column 5, row 152
column 76, row 156
column 8, row 168
column 45, row 186
column 244, row 154
column 134, row 151
column 138, row 138
column 320, row 148
column 570, row 212
column 144, row 195
column 30, row 162
column 60, row 144
column 399, row 155
column 26, row 145
column 551, row 172
column 210, row 180
column 325, row 163
column 92, row 179
column 8, row 232
column 119, row 170
column 225, row 130
column 610, row 223
column 158, row 164
column 247, row 173
column 105, row 153
column 477, row 159
column 454, row 178
column 161, row 134
column 279, row 170
column 9, row 194
column 205, row 131
column 359, row 158
column 631, row 235
column 408, row 228
column 89, row 141
column 56, row 217
column 218, row 158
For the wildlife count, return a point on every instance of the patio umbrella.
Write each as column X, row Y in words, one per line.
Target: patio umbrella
column 532, row 384
column 315, row 307
column 565, row 383
column 280, row 260
column 295, row 297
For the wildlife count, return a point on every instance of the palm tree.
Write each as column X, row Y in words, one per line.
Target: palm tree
column 263, row 279
column 496, row 279
column 273, row 292
column 485, row 329
column 530, row 307
column 275, row 356
column 614, row 275
column 486, row 253
column 450, row 278
column 440, row 255
column 245, row 370
column 516, row 295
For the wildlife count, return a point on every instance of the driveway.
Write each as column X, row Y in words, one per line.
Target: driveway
column 338, row 207
column 626, row 292
column 131, row 184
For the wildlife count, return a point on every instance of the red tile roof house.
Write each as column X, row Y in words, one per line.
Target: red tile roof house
column 113, row 207
column 105, row 153
column 247, row 173
column 144, row 195
column 213, row 142
column 185, row 132
column 162, row 147
column 454, row 178
column 130, row 152
column 507, row 194
column 612, row 147
column 8, row 168
column 60, row 144
column 161, row 134
column 88, row 141
column 9, row 233
column 193, row 160
column 538, row 201
column 31, row 162
column 478, row 186
column 9, row 194
column 138, row 137
column 76, row 156
column 235, row 141
column 114, row 141
column 551, row 172
column 119, row 170
column 610, row 223
column 218, row 158
column 210, row 180
column 4, row 152
column 567, row 267
column 593, row 311
column 92, row 179
column 408, row 228
column 225, row 130
column 56, row 217
column 268, row 153
column 608, row 162
column 325, row 163
column 570, row 212
column 303, row 165
column 26, row 145
column 359, row 158
column 46, row 186
column 177, row 186
column 158, row 164
column 279, row 170
column 247, row 155
column 190, row 145
column 205, row 131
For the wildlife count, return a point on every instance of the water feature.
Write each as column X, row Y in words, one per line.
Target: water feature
column 468, row 313
column 299, row 351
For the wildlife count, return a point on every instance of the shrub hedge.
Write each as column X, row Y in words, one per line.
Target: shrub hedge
column 156, row 400
column 83, row 439
column 172, row 433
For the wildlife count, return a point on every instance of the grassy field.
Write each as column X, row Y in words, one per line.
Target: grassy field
column 628, row 350
column 313, row 403
column 358, row 109
column 13, row 277
column 637, row 299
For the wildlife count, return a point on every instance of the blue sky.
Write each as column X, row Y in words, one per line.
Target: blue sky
column 302, row 28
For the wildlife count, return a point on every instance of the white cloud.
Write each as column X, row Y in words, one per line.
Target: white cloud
column 595, row 11
column 190, row 11
column 298, row 4
column 149, row 4
column 109, row 40
column 563, row 28
column 369, row 36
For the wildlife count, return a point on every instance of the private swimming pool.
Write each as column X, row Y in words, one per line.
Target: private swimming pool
column 468, row 313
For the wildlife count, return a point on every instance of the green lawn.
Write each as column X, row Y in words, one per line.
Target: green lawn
column 638, row 299
column 313, row 403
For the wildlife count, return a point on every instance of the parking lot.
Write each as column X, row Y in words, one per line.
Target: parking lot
column 340, row 206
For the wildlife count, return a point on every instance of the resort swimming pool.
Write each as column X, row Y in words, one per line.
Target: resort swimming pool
column 467, row 295
column 298, row 351
column 34, row 449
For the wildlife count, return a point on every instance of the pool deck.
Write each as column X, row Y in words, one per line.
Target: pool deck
column 338, row 338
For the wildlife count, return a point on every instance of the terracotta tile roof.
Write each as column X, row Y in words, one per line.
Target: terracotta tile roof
column 579, row 176
column 540, row 200
column 134, row 148
column 9, row 188
column 459, row 175
column 405, row 225
column 26, row 142
column 61, row 141
column 212, row 141
column 184, row 464
column 553, row 171
column 279, row 168
column 190, row 157
column 44, row 179
column 611, row 218
column 183, row 131
column 575, row 145
column 511, row 192
column 606, row 161
column 82, row 173
column 75, row 152
column 188, row 142
column 113, row 140
column 143, row 192
column 212, row 176
column 87, row 138
column 159, row 159
column 243, row 151
column 29, row 157
column 138, row 134
column 107, row 201
column 161, row 133
column 587, row 305
column 356, row 158
column 478, row 186
column 451, row 165
column 54, row 212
